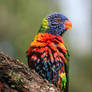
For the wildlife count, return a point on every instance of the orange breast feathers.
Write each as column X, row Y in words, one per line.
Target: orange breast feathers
column 44, row 40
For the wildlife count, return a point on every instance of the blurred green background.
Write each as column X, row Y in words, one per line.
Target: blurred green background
column 21, row 19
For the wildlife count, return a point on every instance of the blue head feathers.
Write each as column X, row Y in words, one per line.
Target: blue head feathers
column 55, row 24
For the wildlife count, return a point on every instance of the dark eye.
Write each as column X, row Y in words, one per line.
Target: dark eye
column 59, row 20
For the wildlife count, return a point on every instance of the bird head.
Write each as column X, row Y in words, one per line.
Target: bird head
column 55, row 24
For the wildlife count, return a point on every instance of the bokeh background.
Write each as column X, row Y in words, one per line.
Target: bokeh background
column 21, row 19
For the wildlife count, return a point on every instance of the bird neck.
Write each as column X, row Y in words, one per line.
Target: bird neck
column 43, row 37
column 52, row 31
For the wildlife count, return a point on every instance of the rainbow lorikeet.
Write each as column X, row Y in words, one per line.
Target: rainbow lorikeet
column 47, row 54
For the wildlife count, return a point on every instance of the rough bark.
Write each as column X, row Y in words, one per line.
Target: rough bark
column 17, row 77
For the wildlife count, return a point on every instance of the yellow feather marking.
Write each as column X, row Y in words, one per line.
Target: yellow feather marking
column 62, row 45
column 35, row 42
column 62, row 75
column 64, row 80
column 45, row 23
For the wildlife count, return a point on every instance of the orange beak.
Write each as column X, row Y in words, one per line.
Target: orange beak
column 68, row 24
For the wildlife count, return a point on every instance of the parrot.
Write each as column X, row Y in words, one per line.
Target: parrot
column 47, row 54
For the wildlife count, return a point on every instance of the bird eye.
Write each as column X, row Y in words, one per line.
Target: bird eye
column 58, row 20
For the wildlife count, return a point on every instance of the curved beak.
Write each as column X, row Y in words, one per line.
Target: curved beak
column 68, row 24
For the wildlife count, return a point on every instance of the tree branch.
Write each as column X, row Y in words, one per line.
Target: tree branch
column 17, row 77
